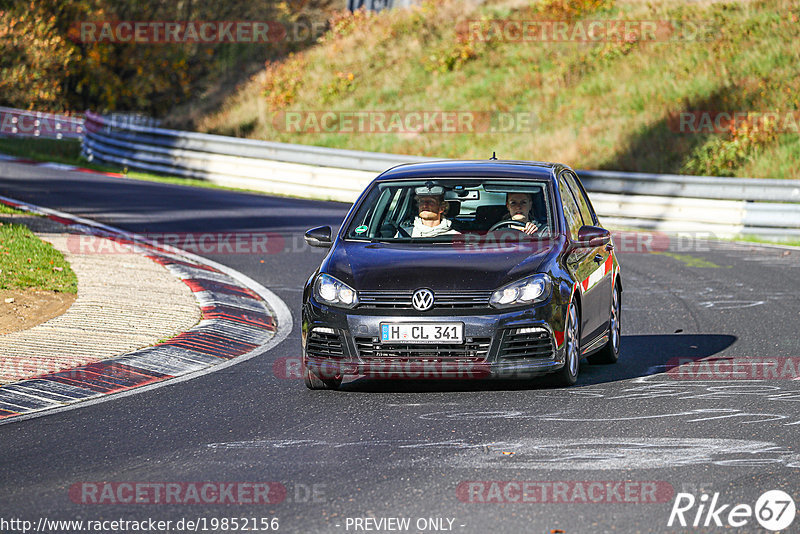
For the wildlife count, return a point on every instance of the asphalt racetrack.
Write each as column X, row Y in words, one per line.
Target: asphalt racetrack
column 609, row 455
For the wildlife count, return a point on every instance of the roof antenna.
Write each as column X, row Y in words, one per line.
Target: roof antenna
column 493, row 157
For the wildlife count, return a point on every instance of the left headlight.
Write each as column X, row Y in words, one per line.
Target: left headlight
column 529, row 290
column 329, row 290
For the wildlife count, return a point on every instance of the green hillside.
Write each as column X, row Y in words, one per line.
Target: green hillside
column 605, row 104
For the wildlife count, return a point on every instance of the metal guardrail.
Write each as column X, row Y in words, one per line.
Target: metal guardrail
column 674, row 185
column 134, row 119
column 22, row 123
column 721, row 206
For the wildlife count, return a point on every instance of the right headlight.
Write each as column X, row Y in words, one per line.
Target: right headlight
column 333, row 292
column 529, row 290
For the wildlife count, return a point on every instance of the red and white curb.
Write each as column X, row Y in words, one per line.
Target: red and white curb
column 241, row 319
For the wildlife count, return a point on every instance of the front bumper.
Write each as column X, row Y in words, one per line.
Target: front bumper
column 520, row 343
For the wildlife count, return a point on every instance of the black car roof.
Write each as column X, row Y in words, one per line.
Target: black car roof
column 472, row 168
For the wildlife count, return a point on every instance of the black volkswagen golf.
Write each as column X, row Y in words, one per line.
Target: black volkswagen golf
column 463, row 269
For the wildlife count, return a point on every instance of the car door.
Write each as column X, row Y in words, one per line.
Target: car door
column 601, row 279
column 580, row 262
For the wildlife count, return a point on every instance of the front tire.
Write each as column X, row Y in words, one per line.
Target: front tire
column 568, row 375
column 314, row 381
column 610, row 351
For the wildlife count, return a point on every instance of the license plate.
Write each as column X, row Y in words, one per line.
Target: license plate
column 422, row 333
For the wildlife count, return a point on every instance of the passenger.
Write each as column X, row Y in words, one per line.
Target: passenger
column 520, row 207
column 430, row 222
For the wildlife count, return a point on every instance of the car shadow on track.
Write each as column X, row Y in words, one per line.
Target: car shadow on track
column 641, row 355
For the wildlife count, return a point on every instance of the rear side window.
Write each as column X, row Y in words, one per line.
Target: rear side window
column 580, row 197
column 571, row 211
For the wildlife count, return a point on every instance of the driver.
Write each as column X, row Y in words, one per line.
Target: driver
column 430, row 222
column 519, row 209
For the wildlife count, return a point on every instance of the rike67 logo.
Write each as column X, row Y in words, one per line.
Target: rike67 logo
column 774, row 510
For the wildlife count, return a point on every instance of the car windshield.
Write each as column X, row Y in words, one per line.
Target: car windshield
column 436, row 210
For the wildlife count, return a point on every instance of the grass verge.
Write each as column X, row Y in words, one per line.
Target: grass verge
column 7, row 210
column 27, row 262
column 762, row 241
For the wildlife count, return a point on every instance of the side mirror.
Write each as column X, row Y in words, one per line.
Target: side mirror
column 319, row 237
column 593, row 236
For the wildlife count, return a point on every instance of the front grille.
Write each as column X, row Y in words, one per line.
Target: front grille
column 526, row 343
column 474, row 350
column 398, row 300
column 442, row 300
column 324, row 345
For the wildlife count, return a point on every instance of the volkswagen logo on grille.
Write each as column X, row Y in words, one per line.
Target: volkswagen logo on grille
column 422, row 299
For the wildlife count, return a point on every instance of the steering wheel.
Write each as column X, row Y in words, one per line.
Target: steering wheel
column 541, row 230
column 511, row 223
column 402, row 231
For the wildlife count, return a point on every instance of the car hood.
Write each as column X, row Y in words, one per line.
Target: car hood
column 409, row 266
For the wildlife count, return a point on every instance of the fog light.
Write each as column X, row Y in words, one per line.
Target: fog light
column 530, row 330
column 324, row 330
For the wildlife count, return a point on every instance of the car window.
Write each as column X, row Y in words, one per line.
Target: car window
column 580, row 197
column 571, row 211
